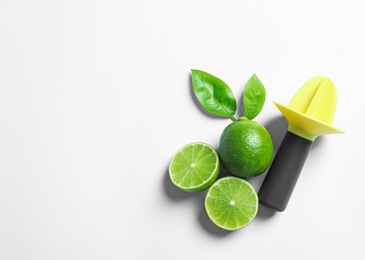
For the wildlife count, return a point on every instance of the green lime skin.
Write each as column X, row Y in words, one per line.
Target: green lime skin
column 245, row 148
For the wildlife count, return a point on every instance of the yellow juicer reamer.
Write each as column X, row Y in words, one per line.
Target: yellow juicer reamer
column 309, row 114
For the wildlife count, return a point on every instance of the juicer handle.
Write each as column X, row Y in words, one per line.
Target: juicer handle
column 284, row 172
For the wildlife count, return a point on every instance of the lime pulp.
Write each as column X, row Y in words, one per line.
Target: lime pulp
column 194, row 167
column 231, row 203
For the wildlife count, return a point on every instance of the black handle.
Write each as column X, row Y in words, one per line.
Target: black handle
column 284, row 172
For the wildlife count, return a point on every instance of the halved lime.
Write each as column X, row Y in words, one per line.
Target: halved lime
column 194, row 167
column 231, row 203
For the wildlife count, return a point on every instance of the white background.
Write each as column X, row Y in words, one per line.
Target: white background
column 95, row 99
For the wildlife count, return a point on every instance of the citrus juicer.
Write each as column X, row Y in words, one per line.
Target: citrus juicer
column 309, row 114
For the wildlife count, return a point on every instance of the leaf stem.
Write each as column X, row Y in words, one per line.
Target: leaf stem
column 233, row 118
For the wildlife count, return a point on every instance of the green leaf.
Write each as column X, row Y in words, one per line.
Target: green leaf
column 254, row 97
column 213, row 94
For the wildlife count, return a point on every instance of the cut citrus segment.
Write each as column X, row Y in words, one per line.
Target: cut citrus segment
column 194, row 167
column 231, row 203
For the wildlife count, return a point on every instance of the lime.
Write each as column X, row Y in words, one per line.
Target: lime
column 231, row 203
column 245, row 148
column 194, row 167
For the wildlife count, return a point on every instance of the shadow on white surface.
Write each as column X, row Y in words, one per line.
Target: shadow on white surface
column 172, row 192
column 264, row 213
column 209, row 226
column 277, row 127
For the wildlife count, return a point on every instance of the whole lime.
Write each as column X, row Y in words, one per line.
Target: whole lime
column 245, row 148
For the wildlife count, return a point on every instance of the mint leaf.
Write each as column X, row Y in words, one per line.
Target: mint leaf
column 254, row 97
column 213, row 94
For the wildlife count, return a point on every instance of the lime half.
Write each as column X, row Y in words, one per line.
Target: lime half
column 231, row 203
column 194, row 167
